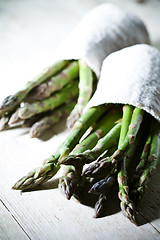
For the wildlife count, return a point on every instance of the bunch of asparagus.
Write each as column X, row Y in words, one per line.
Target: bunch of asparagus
column 61, row 90
column 110, row 146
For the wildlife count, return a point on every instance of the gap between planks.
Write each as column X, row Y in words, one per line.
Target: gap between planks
column 14, row 219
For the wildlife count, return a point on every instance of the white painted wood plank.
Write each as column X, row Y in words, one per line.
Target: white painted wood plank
column 9, row 228
column 42, row 217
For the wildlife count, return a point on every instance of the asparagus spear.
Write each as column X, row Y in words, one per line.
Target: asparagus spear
column 16, row 120
column 106, row 193
column 85, row 91
column 9, row 119
column 68, row 182
column 37, row 176
column 80, row 127
column 55, row 83
column 40, row 122
column 98, row 169
column 127, row 114
column 4, row 122
column 103, row 186
column 48, row 104
column 50, row 167
column 11, row 102
column 103, row 126
column 127, row 171
column 144, row 156
column 105, row 165
column 100, row 205
column 153, row 158
column 109, row 140
column 72, row 178
column 134, row 126
column 49, row 120
column 101, row 167
column 126, row 204
column 14, row 117
column 88, row 157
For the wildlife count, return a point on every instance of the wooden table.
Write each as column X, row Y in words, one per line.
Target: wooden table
column 30, row 31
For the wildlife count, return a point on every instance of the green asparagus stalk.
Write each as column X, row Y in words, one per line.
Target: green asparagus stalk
column 9, row 120
column 107, row 194
column 108, row 141
column 37, row 176
column 105, row 165
column 100, row 205
column 39, row 127
column 11, row 102
column 127, row 171
column 134, row 127
column 102, row 167
column 72, row 178
column 80, row 127
column 15, row 120
column 127, row 114
column 55, row 83
column 103, row 126
column 144, row 156
column 50, row 167
column 86, row 79
column 69, row 181
column 126, row 204
column 49, row 104
column 14, row 117
column 98, row 169
column 4, row 122
column 153, row 158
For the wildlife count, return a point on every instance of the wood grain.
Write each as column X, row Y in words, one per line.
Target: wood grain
column 9, row 227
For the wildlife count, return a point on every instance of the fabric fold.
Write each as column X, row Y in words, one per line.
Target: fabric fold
column 103, row 30
column 131, row 76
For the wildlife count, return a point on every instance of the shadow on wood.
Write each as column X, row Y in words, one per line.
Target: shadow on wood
column 53, row 130
column 148, row 208
column 110, row 206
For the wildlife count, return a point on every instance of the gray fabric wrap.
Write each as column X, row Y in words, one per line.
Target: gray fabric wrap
column 103, row 30
column 131, row 76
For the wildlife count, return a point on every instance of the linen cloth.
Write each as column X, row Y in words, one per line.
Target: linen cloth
column 131, row 76
column 103, row 30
